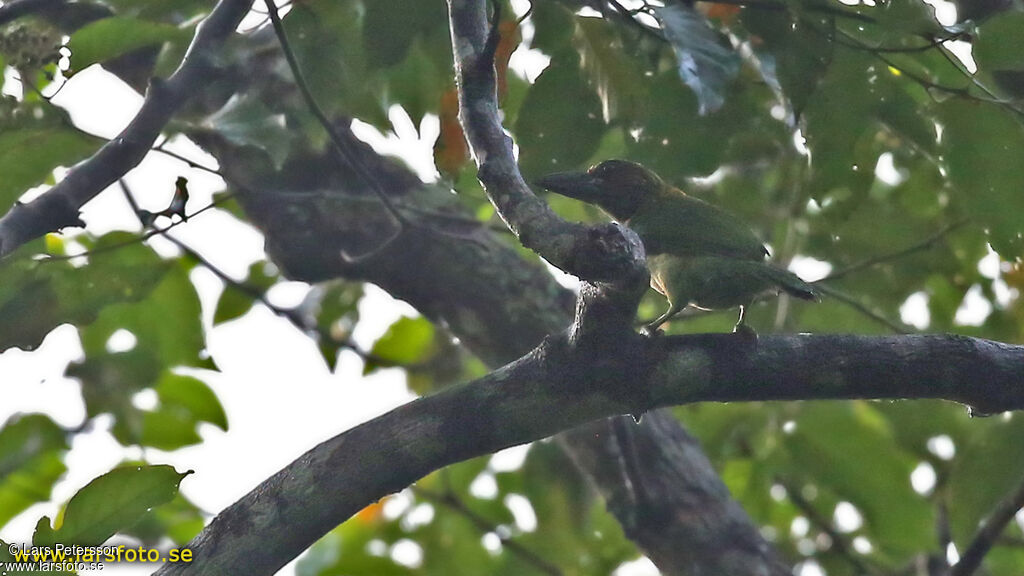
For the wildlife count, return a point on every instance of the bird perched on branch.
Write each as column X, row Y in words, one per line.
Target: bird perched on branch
column 176, row 207
column 698, row 254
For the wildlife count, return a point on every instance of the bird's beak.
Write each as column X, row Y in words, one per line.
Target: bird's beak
column 578, row 185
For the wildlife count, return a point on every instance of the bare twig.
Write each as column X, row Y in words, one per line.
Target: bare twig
column 293, row 315
column 853, row 303
column 141, row 238
column 943, row 530
column 960, row 91
column 346, row 151
column 59, row 206
column 628, row 16
column 988, row 534
column 850, row 41
column 191, row 163
column 341, row 146
column 884, row 258
column 11, row 11
column 782, row 7
column 1010, row 542
column 450, row 500
column 839, row 541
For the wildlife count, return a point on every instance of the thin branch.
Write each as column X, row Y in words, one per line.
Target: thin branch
column 451, row 501
column 850, row 41
column 293, row 315
column 856, row 305
column 529, row 11
column 606, row 252
column 988, row 534
column 628, row 16
column 11, row 11
column 341, row 145
column 960, row 91
column 783, row 7
column 943, row 529
column 925, row 244
column 1010, row 542
column 839, row 541
column 139, row 239
column 59, row 206
column 191, row 163
column 347, row 152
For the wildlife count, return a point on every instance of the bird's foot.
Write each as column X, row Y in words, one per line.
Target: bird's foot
column 652, row 331
column 747, row 335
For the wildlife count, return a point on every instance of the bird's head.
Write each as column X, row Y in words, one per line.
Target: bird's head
column 617, row 186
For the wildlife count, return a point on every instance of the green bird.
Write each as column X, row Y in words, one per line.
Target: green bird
column 698, row 254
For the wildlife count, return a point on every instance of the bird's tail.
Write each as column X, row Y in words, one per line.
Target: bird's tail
column 791, row 283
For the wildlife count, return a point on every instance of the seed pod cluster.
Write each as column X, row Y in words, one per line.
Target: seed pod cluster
column 30, row 45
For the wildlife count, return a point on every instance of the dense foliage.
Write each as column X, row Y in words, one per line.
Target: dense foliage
column 854, row 137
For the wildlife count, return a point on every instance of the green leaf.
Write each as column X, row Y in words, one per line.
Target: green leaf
column 112, row 502
column 417, row 82
column 344, row 551
column 909, row 18
column 795, row 51
column 32, row 449
column 30, row 151
column 839, row 125
column 110, row 379
column 554, row 27
column 179, row 520
column 167, row 430
column 614, row 75
column 835, row 443
column 979, row 145
column 234, row 303
column 559, row 125
column 988, row 467
column 245, row 121
column 192, row 397
column 706, row 63
column 396, row 26
column 407, row 341
column 37, row 297
column 109, row 38
column 328, row 42
column 336, row 317
column 999, row 44
column 673, row 139
column 166, row 323
column 569, row 519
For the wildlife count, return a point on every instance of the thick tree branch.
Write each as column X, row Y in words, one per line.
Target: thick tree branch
column 11, row 11
column 59, row 207
column 668, row 497
column 498, row 304
column 606, row 252
column 558, row 386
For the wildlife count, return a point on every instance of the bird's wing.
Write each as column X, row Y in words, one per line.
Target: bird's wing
column 687, row 226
